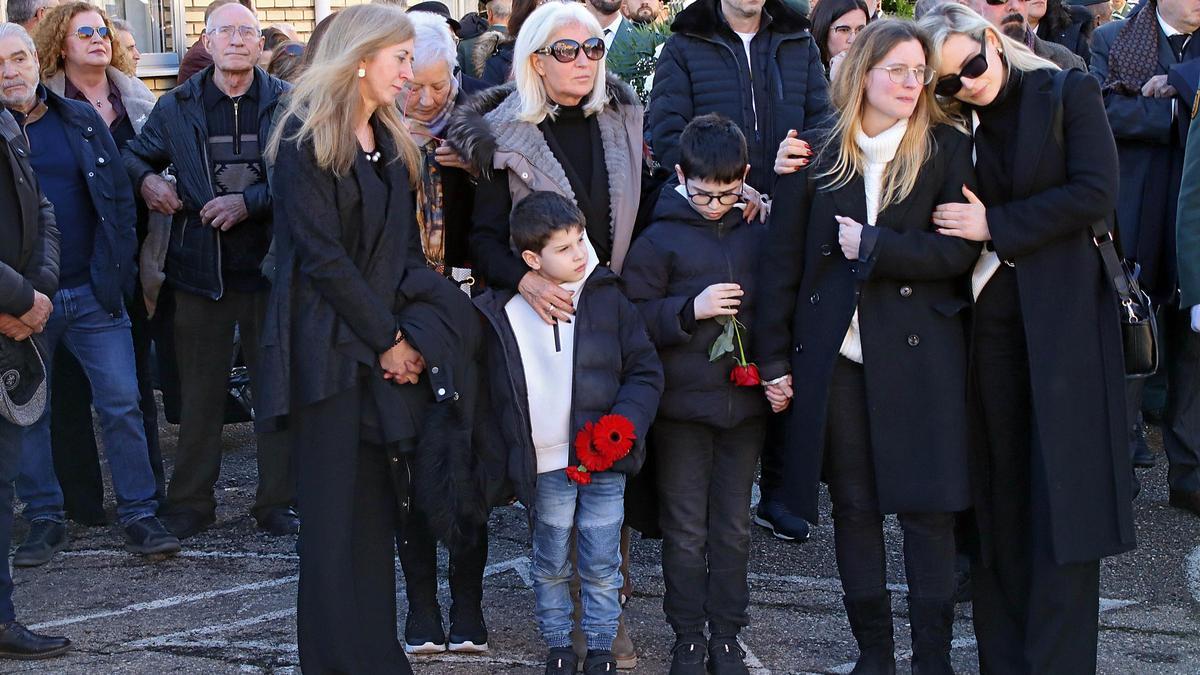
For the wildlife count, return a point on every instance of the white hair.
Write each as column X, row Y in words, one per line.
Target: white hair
column 208, row 24
column 433, row 42
column 539, row 31
column 10, row 29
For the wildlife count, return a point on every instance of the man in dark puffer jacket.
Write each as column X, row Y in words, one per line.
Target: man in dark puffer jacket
column 769, row 85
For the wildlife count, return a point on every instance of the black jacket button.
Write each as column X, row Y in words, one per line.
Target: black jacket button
column 815, row 298
column 914, row 340
column 905, row 291
column 826, row 249
column 799, row 348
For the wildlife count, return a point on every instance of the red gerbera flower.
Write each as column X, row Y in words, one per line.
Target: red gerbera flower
column 579, row 474
column 614, row 436
column 587, row 452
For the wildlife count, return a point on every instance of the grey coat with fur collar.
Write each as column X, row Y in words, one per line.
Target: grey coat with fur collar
column 487, row 132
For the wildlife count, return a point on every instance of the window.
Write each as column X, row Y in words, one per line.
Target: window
column 159, row 28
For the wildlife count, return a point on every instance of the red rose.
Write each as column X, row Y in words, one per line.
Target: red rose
column 587, row 452
column 579, row 474
column 613, row 437
column 745, row 376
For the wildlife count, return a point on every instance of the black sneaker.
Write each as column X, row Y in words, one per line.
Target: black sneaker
column 148, row 536
column 186, row 523
column 726, row 657
column 423, row 633
column 18, row 642
column 468, row 632
column 781, row 522
column 562, row 661
column 45, row 538
column 280, row 522
column 688, row 656
column 599, row 662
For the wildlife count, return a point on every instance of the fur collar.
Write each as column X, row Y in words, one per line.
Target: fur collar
column 703, row 19
column 135, row 96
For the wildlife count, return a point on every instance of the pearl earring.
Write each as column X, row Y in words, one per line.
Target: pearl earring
column 362, row 72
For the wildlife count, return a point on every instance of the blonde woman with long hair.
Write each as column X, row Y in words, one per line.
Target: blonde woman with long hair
column 861, row 332
column 362, row 340
column 1052, row 477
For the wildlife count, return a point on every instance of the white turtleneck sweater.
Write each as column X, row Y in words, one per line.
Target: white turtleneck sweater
column 877, row 151
column 549, row 367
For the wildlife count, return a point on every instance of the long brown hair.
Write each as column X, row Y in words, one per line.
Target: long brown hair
column 849, row 98
column 55, row 29
column 326, row 97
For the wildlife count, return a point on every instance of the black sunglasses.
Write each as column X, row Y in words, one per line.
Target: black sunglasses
column 949, row 85
column 566, row 51
column 86, row 32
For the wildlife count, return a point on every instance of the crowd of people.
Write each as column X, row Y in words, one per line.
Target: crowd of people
column 612, row 259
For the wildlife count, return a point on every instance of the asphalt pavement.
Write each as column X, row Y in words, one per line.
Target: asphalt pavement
column 227, row 603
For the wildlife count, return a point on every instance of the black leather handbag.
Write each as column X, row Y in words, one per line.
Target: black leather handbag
column 1139, row 329
column 22, row 381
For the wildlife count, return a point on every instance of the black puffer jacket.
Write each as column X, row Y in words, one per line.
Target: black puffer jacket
column 616, row 371
column 703, row 70
column 677, row 257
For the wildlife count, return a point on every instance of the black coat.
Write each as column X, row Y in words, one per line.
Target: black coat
column 458, row 195
column 30, row 262
column 113, row 267
column 673, row 261
column 498, row 67
column 1066, row 182
column 1075, row 33
column 177, row 134
column 616, row 371
column 703, row 69
column 341, row 292
column 910, row 289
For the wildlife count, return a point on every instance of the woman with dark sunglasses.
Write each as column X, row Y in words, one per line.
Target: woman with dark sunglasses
column 561, row 126
column 1051, row 473
column 861, row 331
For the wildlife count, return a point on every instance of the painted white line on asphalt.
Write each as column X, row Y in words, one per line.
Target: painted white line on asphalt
column 167, row 602
column 225, row 555
column 213, row 629
column 752, row 663
column 1191, row 567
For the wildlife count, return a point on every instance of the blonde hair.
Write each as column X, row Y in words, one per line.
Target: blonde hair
column 326, row 98
column 55, row 29
column 849, row 99
column 944, row 21
column 537, row 32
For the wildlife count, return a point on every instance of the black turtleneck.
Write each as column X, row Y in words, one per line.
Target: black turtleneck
column 995, row 153
column 575, row 141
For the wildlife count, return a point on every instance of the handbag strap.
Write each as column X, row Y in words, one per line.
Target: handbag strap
column 1102, row 237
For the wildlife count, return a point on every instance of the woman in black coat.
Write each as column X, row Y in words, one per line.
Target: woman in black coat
column 366, row 351
column 1052, row 476
column 862, row 328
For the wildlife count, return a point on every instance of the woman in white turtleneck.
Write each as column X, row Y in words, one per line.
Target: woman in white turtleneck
column 861, row 332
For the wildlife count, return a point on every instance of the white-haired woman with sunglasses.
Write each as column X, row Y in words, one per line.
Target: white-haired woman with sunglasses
column 363, row 346
column 1052, row 477
column 861, row 330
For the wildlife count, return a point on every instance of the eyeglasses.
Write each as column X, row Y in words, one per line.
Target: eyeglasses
column 899, row 74
column 86, row 32
column 949, row 85
column 226, row 32
column 294, row 49
column 845, row 30
column 706, row 198
column 566, row 51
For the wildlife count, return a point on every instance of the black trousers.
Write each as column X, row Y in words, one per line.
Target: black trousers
column 204, row 349
column 849, row 470
column 705, row 476
column 1031, row 614
column 418, row 557
column 1181, row 417
column 346, row 609
column 770, row 481
column 72, row 436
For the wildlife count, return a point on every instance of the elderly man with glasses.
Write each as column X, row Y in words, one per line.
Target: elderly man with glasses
column 213, row 128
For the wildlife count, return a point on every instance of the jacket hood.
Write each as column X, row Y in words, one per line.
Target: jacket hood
column 704, row 19
column 674, row 207
column 474, row 137
column 485, row 45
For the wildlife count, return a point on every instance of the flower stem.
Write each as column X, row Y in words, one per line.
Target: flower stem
column 738, row 335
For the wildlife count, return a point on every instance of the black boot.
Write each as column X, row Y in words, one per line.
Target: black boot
column 871, row 623
column 932, row 627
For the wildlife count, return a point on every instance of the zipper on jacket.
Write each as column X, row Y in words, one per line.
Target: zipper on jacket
column 237, row 128
column 729, row 269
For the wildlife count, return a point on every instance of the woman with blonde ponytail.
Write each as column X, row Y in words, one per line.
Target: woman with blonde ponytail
column 861, row 331
column 364, row 344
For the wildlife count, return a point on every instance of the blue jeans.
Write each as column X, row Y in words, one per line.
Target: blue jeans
column 10, row 461
column 102, row 344
column 595, row 511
